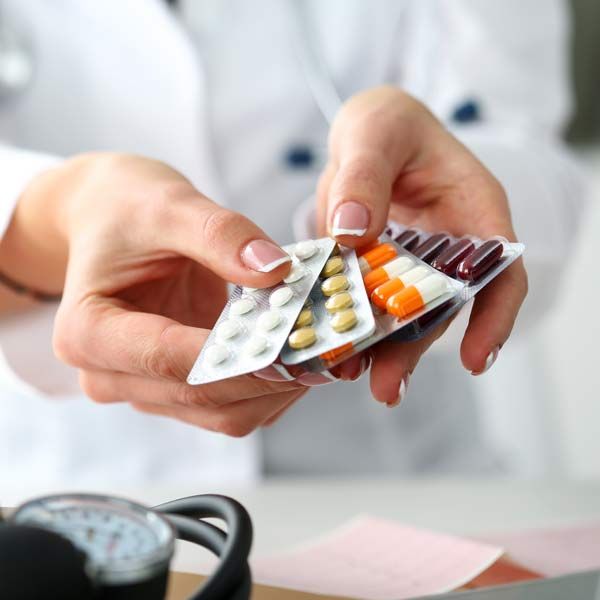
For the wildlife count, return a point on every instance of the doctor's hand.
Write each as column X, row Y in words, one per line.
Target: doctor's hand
column 148, row 257
column 389, row 157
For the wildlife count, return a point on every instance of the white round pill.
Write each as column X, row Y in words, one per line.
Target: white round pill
column 268, row 320
column 304, row 250
column 297, row 272
column 228, row 329
column 280, row 296
column 256, row 345
column 216, row 354
column 242, row 306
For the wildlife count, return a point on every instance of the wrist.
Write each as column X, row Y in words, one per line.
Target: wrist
column 34, row 250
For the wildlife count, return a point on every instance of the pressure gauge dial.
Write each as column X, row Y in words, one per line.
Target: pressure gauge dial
column 124, row 542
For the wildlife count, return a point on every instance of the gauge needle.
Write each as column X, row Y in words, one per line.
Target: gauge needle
column 112, row 543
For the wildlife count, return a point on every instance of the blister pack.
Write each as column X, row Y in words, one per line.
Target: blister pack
column 470, row 260
column 402, row 289
column 255, row 323
column 338, row 312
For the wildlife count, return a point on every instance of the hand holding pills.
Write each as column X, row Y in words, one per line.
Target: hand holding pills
column 390, row 158
column 145, row 281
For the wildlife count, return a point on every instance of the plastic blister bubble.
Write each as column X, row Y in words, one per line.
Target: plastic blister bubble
column 255, row 323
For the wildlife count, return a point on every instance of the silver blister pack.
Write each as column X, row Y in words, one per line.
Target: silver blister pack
column 339, row 312
column 255, row 323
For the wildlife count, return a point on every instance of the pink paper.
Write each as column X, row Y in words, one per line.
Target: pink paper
column 375, row 559
column 553, row 552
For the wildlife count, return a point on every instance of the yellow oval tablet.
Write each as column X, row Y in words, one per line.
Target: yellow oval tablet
column 302, row 338
column 339, row 301
column 344, row 320
column 333, row 266
column 305, row 318
column 335, row 284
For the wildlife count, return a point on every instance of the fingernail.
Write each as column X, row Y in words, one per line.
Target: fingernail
column 365, row 364
column 401, row 392
column 311, row 379
column 489, row 361
column 274, row 372
column 264, row 256
column 351, row 369
column 351, row 218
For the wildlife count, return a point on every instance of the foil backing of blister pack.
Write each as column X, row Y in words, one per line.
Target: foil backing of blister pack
column 251, row 331
column 327, row 338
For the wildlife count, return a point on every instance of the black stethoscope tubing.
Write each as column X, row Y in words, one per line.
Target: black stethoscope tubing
column 232, row 577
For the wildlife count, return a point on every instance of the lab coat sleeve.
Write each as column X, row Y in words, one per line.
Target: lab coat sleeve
column 509, row 61
column 18, row 168
column 27, row 363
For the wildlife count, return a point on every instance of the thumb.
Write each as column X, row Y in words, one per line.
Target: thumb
column 225, row 242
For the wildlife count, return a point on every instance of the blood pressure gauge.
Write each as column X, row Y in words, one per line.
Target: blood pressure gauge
column 125, row 545
column 86, row 546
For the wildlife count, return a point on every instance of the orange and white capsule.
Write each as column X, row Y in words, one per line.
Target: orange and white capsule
column 376, row 257
column 384, row 292
column 416, row 296
column 382, row 274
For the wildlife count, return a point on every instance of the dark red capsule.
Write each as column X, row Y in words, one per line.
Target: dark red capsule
column 408, row 239
column 431, row 247
column 479, row 262
column 449, row 259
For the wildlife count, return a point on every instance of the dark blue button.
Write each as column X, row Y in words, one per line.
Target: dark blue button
column 468, row 112
column 299, row 156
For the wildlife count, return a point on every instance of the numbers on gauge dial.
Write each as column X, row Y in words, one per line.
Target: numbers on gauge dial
column 104, row 534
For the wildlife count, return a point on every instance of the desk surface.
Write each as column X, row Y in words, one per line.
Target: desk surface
column 291, row 511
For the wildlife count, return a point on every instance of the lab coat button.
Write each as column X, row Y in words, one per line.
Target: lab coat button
column 467, row 112
column 299, row 157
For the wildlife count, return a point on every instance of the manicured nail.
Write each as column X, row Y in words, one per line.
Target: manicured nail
column 264, row 256
column 365, row 363
column 274, row 372
column 489, row 361
column 311, row 379
column 351, row 369
column 401, row 392
column 350, row 218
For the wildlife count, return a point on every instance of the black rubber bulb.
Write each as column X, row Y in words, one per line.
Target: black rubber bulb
column 36, row 563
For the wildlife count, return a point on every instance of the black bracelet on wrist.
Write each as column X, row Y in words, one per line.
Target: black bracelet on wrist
column 23, row 290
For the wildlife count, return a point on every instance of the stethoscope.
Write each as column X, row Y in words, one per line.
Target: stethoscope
column 17, row 61
column 95, row 547
column 17, row 67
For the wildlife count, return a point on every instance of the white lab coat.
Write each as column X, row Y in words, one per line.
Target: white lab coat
column 217, row 92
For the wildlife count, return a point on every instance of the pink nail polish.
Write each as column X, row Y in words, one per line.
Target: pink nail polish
column 311, row 379
column 264, row 256
column 274, row 372
column 489, row 361
column 352, row 369
column 401, row 392
column 350, row 218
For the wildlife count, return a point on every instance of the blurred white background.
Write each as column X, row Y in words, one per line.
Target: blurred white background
column 569, row 340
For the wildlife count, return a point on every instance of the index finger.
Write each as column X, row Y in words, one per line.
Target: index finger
column 371, row 143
